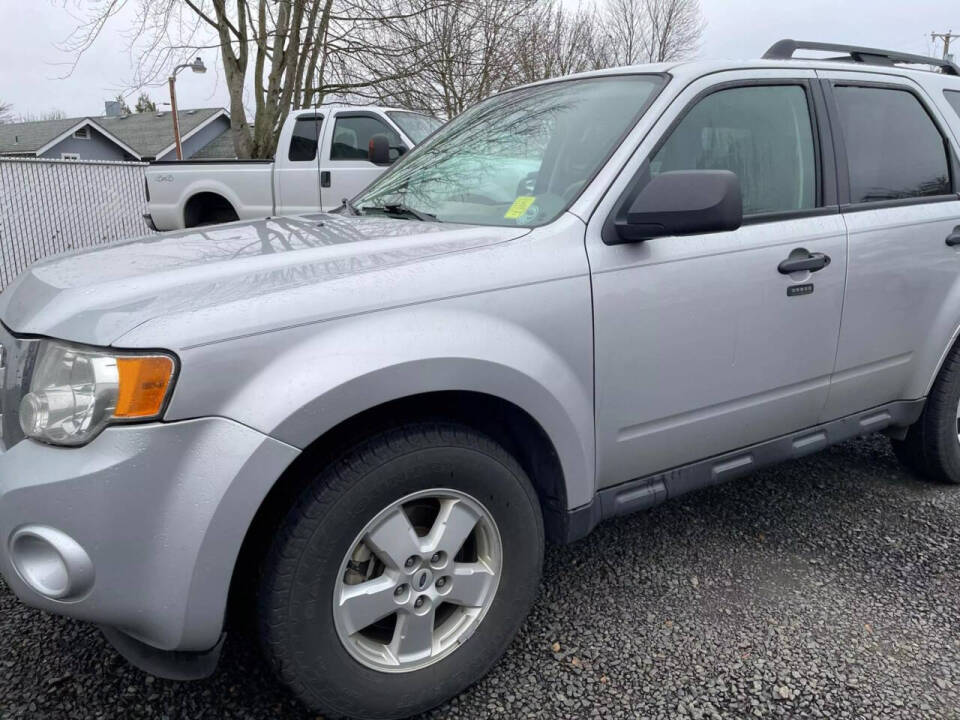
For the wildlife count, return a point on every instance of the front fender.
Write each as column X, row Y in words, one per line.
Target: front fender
column 297, row 384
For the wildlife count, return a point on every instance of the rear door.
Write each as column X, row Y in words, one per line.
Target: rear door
column 297, row 176
column 898, row 198
column 346, row 167
column 702, row 345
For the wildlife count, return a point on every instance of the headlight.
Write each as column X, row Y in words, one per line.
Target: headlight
column 75, row 391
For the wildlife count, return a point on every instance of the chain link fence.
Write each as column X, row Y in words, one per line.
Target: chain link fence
column 49, row 206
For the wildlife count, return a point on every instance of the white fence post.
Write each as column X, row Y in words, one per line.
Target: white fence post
column 49, row 206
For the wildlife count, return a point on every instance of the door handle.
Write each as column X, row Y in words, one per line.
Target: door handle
column 800, row 260
column 324, row 178
column 954, row 237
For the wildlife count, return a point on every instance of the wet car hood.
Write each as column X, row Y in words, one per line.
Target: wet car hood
column 221, row 280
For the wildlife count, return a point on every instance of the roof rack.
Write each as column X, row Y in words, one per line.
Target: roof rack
column 784, row 50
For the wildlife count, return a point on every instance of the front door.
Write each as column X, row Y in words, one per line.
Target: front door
column 703, row 343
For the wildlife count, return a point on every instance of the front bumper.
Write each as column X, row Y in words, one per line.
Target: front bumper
column 160, row 509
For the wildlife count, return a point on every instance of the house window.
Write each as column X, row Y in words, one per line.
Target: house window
column 82, row 134
column 69, row 156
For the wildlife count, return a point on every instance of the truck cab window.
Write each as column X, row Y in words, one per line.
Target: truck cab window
column 352, row 135
column 303, row 143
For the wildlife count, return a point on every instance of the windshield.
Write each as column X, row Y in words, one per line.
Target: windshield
column 520, row 158
column 416, row 126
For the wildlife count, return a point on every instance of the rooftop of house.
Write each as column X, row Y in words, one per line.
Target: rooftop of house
column 147, row 135
column 218, row 148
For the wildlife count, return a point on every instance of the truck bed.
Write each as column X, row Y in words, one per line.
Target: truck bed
column 174, row 186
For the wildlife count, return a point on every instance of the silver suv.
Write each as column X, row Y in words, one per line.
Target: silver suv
column 579, row 299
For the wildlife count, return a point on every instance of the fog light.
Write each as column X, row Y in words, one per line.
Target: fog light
column 51, row 562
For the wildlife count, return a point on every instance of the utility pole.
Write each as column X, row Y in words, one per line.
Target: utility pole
column 175, row 116
column 946, row 38
column 198, row 67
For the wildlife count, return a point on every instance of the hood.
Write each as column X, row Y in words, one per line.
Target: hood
column 217, row 279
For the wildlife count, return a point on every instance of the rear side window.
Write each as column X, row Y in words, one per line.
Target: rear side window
column 352, row 134
column 894, row 149
column 303, row 144
column 762, row 133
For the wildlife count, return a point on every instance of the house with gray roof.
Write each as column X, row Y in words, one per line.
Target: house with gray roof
column 204, row 132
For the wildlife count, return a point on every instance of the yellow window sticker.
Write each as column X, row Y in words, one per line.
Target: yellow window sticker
column 519, row 207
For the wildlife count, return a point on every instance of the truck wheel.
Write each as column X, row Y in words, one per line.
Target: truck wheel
column 932, row 445
column 402, row 572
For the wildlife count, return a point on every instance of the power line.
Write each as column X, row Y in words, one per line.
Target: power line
column 945, row 38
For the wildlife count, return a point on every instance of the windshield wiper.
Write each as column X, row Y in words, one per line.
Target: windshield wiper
column 354, row 210
column 400, row 209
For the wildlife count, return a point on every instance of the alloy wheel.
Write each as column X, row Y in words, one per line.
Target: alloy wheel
column 417, row 580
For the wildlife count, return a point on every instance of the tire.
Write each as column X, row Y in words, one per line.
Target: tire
column 316, row 559
column 932, row 445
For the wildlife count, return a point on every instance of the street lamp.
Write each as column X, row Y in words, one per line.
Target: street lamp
column 198, row 67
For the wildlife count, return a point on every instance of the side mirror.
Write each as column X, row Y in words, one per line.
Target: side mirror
column 683, row 202
column 379, row 151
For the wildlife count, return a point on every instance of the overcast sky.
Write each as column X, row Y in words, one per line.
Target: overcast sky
column 31, row 29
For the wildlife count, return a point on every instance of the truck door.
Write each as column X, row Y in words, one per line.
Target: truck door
column 297, row 171
column 346, row 167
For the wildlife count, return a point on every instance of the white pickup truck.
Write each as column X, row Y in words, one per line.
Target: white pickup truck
column 324, row 155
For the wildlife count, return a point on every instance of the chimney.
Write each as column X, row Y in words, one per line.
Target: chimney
column 111, row 108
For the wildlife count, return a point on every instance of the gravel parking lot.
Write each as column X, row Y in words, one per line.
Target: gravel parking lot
column 828, row 587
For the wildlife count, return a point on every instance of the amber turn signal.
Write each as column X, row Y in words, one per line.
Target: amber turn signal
column 143, row 385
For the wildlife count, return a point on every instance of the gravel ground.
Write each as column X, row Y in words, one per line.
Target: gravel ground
column 827, row 587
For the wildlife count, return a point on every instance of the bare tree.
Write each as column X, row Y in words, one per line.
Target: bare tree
column 676, row 27
column 470, row 49
column 464, row 51
column 553, row 41
column 642, row 31
column 339, row 51
column 52, row 114
column 626, row 31
column 6, row 112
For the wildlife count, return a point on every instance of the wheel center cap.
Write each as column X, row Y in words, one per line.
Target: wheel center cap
column 422, row 580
